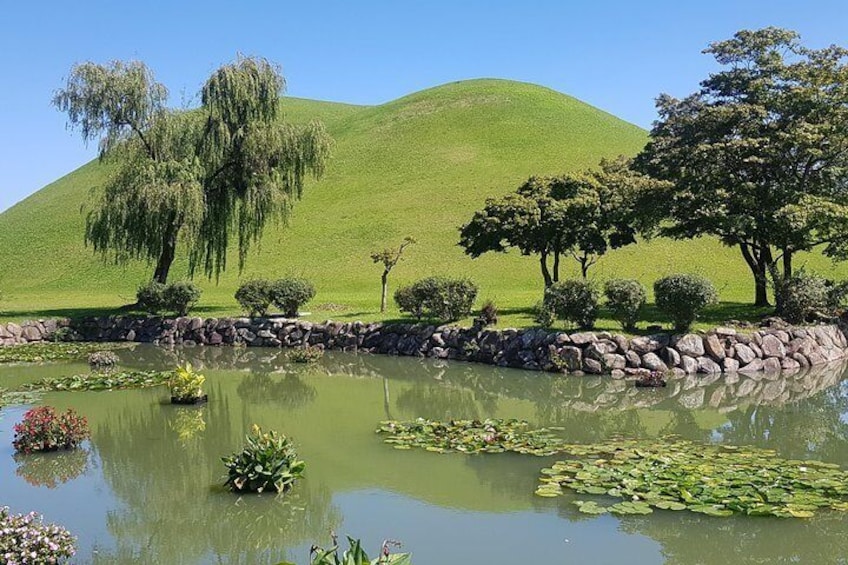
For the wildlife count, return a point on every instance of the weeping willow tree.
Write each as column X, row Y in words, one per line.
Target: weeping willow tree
column 203, row 177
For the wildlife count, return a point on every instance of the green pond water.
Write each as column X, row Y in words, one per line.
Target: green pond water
column 146, row 487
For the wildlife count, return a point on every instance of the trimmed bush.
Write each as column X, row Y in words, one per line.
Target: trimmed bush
column 267, row 462
column 180, row 297
column 573, row 300
column 682, row 297
column 254, row 296
column 150, row 297
column 290, row 294
column 625, row 299
column 440, row 298
column 801, row 295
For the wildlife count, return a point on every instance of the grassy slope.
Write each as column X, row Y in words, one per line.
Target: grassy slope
column 416, row 166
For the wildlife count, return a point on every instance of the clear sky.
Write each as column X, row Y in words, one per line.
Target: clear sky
column 617, row 55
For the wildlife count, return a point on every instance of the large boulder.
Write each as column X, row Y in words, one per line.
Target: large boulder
column 773, row 347
column 691, row 345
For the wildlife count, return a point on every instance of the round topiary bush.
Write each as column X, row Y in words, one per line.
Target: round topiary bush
column 291, row 293
column 441, row 298
column 802, row 295
column 150, row 297
column 180, row 297
column 682, row 297
column 625, row 299
column 255, row 296
column 573, row 300
column 268, row 461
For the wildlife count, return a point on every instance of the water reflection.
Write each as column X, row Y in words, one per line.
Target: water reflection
column 187, row 516
column 162, row 462
column 53, row 468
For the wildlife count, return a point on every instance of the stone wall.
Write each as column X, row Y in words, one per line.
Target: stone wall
column 722, row 350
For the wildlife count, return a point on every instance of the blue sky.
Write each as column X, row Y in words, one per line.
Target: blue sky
column 616, row 55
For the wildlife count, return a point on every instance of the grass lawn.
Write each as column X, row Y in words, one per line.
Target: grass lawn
column 417, row 166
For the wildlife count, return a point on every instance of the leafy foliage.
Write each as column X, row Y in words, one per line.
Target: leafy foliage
column 573, row 300
column 470, row 436
column 682, row 297
column 42, row 429
column 179, row 297
column 100, row 381
column 757, row 156
column 488, row 314
column 254, row 296
column 197, row 176
column 308, row 355
column 355, row 555
column 543, row 315
column 268, row 461
column 675, row 474
column 40, row 352
column 583, row 214
column 440, row 298
column 625, row 299
column 186, row 383
column 24, row 538
column 291, row 293
column 802, row 295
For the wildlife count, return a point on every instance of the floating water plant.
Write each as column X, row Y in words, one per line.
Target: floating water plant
column 309, row 354
column 471, row 436
column 675, row 474
column 268, row 462
column 186, row 385
column 39, row 352
column 100, row 381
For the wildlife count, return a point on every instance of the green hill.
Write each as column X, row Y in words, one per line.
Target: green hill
column 418, row 166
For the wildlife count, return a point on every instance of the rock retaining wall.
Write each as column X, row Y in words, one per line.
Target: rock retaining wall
column 722, row 350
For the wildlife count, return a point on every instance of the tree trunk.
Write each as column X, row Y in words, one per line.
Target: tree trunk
column 584, row 266
column 166, row 257
column 758, row 268
column 787, row 264
column 385, row 293
column 556, row 266
column 546, row 274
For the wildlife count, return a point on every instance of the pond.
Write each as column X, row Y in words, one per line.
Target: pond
column 147, row 487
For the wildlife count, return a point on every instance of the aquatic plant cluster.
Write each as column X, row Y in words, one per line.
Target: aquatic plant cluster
column 39, row 352
column 186, row 383
column 25, row 540
column 100, row 381
column 307, row 354
column 42, row 429
column 717, row 480
column 268, row 461
column 355, row 555
column 471, row 436
column 667, row 473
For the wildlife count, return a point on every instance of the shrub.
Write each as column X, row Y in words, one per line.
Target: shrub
column 488, row 314
column 150, row 297
column 625, row 299
column 837, row 295
column 254, row 296
column 180, row 297
column 268, row 461
column 24, row 538
column 308, row 354
column 289, row 294
column 44, row 430
column 440, row 298
column 543, row 315
column 186, row 383
column 355, row 555
column 682, row 297
column 573, row 300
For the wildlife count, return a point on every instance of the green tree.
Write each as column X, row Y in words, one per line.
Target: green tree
column 389, row 257
column 758, row 157
column 203, row 176
column 583, row 214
